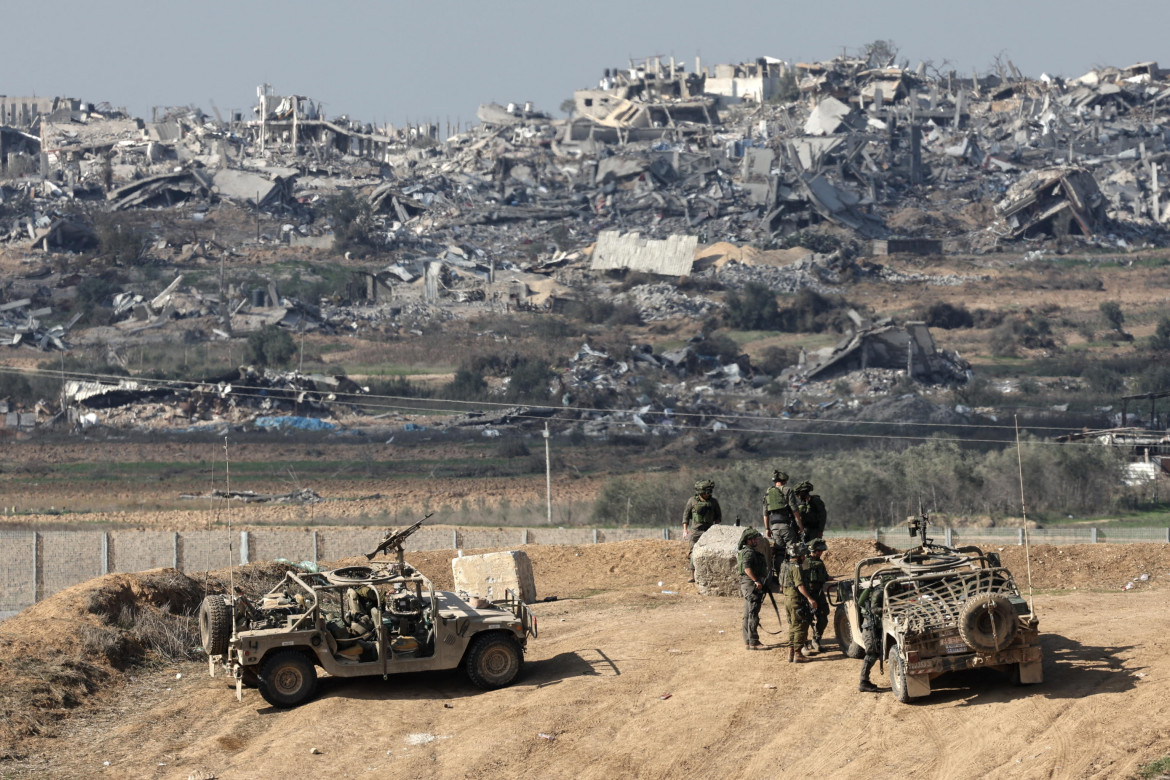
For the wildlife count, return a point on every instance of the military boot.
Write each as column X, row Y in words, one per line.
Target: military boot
column 815, row 642
column 865, row 686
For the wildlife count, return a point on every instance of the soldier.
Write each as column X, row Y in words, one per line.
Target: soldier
column 869, row 603
column 781, row 513
column 753, row 572
column 812, row 511
column 817, row 576
column 797, row 594
column 701, row 512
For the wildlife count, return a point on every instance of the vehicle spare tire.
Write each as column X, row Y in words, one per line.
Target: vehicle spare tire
column 987, row 623
column 215, row 625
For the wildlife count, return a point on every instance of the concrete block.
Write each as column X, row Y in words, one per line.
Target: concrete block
column 489, row 574
column 715, row 561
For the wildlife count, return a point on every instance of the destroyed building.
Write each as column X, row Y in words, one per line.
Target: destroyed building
column 656, row 166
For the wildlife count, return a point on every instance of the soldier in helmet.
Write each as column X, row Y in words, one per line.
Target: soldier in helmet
column 753, row 574
column 816, row 577
column 701, row 512
column 812, row 511
column 797, row 596
column 870, row 604
column 782, row 519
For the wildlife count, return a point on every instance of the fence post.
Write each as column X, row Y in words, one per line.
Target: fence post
column 1020, row 533
column 36, row 569
column 175, row 550
column 244, row 556
column 948, row 541
column 1168, row 536
column 595, row 536
column 316, row 548
column 666, row 534
column 1093, row 535
column 523, row 536
column 455, row 539
column 105, row 552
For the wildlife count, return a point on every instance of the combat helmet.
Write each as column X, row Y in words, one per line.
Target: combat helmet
column 704, row 486
column 747, row 535
column 798, row 549
column 779, row 476
column 818, row 544
column 803, row 487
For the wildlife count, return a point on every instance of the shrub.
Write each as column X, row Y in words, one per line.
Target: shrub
column 948, row 316
column 1161, row 338
column 353, row 223
column 529, row 381
column 1111, row 312
column 755, row 310
column 270, row 346
column 1103, row 379
column 467, row 385
column 119, row 242
column 776, row 359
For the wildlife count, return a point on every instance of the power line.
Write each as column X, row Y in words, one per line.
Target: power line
column 739, row 423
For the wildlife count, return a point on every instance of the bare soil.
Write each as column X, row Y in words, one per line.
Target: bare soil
column 634, row 675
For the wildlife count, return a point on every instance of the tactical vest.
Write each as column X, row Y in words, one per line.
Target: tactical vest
column 774, row 499
column 702, row 512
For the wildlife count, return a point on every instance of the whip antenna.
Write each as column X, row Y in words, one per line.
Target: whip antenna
column 227, row 478
column 1024, row 513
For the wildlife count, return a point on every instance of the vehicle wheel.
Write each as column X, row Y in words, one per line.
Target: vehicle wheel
column 897, row 668
column 215, row 625
column 845, row 636
column 287, row 679
column 493, row 660
column 987, row 623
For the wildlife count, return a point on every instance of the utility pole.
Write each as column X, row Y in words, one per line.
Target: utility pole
column 547, row 473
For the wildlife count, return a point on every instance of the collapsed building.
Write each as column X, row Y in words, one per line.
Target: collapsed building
column 655, row 166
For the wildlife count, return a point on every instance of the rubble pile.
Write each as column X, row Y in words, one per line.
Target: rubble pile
column 660, row 170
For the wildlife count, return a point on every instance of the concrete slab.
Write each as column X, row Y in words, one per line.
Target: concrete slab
column 489, row 574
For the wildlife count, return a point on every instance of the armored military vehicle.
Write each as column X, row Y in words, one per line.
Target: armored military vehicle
column 358, row 621
column 945, row 609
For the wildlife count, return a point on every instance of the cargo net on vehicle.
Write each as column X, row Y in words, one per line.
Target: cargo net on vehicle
column 934, row 601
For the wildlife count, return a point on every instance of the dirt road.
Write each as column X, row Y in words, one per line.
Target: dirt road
column 629, row 681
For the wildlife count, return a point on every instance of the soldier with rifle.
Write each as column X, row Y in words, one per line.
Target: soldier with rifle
column 753, row 574
column 782, row 518
column 799, row 600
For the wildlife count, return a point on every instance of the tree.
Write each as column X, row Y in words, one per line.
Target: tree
column 467, row 385
column 1161, row 338
column 270, row 346
column 755, row 310
column 353, row 224
column 1111, row 311
column 880, row 53
column 529, row 380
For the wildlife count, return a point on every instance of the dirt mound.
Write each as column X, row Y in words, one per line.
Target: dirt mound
column 623, row 605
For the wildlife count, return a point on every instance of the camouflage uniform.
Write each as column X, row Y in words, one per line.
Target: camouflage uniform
column 780, row 506
column 816, row 575
column 753, row 597
column 797, row 607
column 698, row 515
column 870, row 606
column 815, row 516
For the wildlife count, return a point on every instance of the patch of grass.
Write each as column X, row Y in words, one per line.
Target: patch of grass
column 1154, row 769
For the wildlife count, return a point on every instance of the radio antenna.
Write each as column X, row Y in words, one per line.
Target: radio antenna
column 227, row 478
column 1024, row 513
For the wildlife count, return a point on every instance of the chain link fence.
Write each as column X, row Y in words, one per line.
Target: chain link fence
column 37, row 564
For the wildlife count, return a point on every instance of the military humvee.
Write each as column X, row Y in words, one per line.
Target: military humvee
column 946, row 609
column 358, row 621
